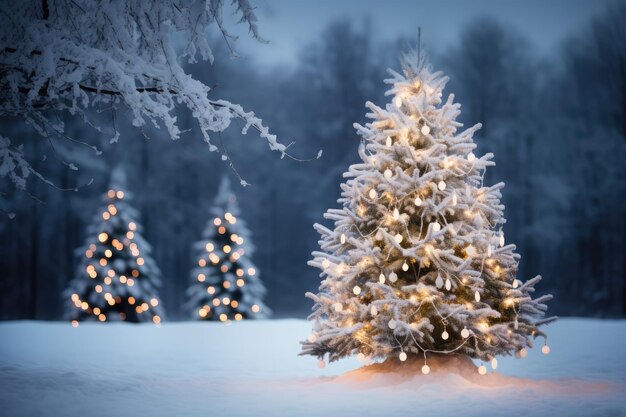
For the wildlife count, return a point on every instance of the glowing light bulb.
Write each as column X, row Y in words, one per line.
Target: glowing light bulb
column 374, row 311
column 392, row 324
column 418, row 201
column 393, row 277
column 425, row 369
column 342, row 239
column 465, row 333
column 398, row 238
column 381, row 278
column 425, row 130
column 402, row 356
column 405, row 266
column 397, row 101
column 477, row 296
column 448, row 284
column 436, row 226
column 523, row 353
column 545, row 349
column 482, row 369
column 321, row 364
column 471, row 157
column 338, row 307
column 501, row 240
column 441, row 185
column 356, row 290
column 388, row 173
column 494, row 363
column 373, row 194
column 388, row 142
column 455, row 199
column 515, row 283
column 445, row 335
column 325, row 263
column 312, row 338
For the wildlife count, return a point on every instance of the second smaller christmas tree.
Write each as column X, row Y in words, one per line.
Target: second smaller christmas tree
column 225, row 284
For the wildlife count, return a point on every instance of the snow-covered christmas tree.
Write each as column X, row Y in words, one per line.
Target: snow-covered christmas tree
column 417, row 262
column 116, row 277
column 225, row 284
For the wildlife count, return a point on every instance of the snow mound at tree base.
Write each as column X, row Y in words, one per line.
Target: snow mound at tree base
column 458, row 372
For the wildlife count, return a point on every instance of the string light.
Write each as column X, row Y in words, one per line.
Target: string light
column 482, row 369
column 494, row 364
column 388, row 142
column 397, row 101
column 405, row 266
column 445, row 335
column 418, row 201
column 471, row 157
column 392, row 324
column 393, row 277
column 373, row 194
column 439, row 281
column 356, row 290
column 388, row 173
column 425, row 369
column 465, row 333
column 441, row 185
column 425, row 130
column 381, row 278
column 402, row 356
column 545, row 349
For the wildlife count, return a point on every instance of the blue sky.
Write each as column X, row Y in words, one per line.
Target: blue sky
column 291, row 24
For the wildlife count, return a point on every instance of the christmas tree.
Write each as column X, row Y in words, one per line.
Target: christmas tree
column 225, row 284
column 116, row 277
column 417, row 262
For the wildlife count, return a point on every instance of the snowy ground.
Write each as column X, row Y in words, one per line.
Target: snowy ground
column 252, row 369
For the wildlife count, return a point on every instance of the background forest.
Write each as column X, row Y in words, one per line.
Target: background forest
column 555, row 120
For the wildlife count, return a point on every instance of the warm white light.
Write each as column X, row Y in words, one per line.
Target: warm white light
column 455, row 199
column 321, row 364
column 477, row 296
column 418, row 201
column 397, row 101
column 445, row 335
column 356, row 290
column 405, row 266
column 342, row 239
column 396, row 214
column 392, row 324
column 398, row 238
column 325, row 263
column 255, row 308
column 436, row 226
column 373, row 194
column 312, row 338
column 402, row 356
column 494, row 363
column 471, row 157
column 441, row 185
column 338, row 307
column 465, row 333
column 388, row 173
column 388, row 141
column 482, row 370
column 439, row 281
column 501, row 240
column 545, row 349
column 448, row 284
column 425, row 130
column 523, row 352
column 515, row 283
column 381, row 278
column 425, row 369
column 393, row 277
column 373, row 311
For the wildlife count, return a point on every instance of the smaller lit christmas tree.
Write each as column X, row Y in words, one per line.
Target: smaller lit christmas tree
column 116, row 277
column 225, row 284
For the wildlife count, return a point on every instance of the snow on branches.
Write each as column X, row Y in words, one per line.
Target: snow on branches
column 71, row 56
column 417, row 261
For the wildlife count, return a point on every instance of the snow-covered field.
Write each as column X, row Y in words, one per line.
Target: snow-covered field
column 252, row 369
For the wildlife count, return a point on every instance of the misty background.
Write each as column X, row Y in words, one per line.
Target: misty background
column 547, row 81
